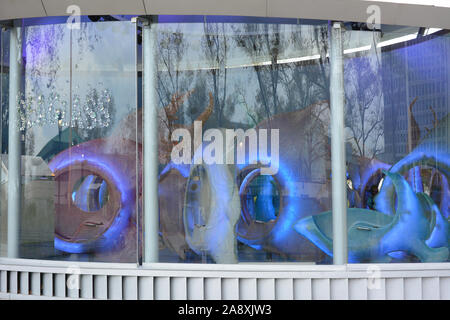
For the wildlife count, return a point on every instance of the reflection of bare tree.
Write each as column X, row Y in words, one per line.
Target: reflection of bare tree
column 215, row 43
column 197, row 99
column 307, row 82
column 254, row 114
column 171, row 49
column 307, row 88
column 262, row 41
column 300, row 81
column 321, row 42
column 364, row 111
column 314, row 137
column 168, row 123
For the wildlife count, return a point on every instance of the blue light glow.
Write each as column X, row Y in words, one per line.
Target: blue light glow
column 90, row 153
column 374, row 236
column 293, row 208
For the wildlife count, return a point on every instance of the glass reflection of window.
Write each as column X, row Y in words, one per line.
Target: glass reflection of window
column 68, row 100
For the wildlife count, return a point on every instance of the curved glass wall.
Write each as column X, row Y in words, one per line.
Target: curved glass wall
column 68, row 155
column 397, row 105
column 244, row 140
column 249, row 103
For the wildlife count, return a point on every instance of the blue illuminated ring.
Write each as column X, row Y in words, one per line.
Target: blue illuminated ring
column 104, row 159
column 278, row 231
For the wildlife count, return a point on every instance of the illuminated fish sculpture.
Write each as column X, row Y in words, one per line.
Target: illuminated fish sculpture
column 373, row 235
column 211, row 210
column 301, row 162
column 440, row 236
column 385, row 200
column 82, row 226
column 424, row 153
column 215, row 213
column 431, row 155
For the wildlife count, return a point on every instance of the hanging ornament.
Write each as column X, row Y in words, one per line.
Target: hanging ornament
column 89, row 113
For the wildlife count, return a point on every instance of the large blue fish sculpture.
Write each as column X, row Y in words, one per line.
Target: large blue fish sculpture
column 432, row 155
column 373, row 236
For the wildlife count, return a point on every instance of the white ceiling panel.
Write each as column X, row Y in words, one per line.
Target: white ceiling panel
column 205, row 7
column 392, row 11
column 94, row 7
column 357, row 10
column 21, row 8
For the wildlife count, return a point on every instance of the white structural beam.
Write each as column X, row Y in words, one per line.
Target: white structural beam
column 338, row 168
column 94, row 7
column 255, row 8
column 12, row 9
column 420, row 13
column 391, row 12
column 14, row 158
column 150, row 129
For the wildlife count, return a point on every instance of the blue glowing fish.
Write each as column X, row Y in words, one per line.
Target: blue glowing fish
column 373, row 235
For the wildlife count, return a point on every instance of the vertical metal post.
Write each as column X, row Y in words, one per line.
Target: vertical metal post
column 150, row 129
column 14, row 149
column 338, row 168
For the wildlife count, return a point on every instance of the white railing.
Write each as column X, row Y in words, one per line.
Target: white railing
column 38, row 279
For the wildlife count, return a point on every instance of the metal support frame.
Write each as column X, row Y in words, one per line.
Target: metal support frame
column 338, row 167
column 14, row 143
column 150, row 130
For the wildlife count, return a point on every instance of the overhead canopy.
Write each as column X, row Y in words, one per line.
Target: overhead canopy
column 420, row 13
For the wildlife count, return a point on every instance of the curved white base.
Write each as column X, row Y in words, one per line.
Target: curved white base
column 38, row 279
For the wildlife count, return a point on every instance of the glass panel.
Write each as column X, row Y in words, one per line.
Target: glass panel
column 78, row 144
column 397, row 109
column 244, row 142
column 4, row 96
column 263, row 86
